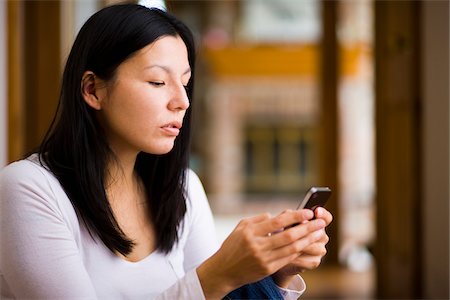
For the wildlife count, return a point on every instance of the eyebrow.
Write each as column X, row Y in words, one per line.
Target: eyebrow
column 168, row 70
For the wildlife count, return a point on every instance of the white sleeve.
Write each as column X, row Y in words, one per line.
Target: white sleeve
column 202, row 240
column 187, row 288
column 295, row 289
column 38, row 255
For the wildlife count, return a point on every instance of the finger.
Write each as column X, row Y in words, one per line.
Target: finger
column 255, row 219
column 282, row 262
column 315, row 249
column 285, row 211
column 295, row 217
column 291, row 244
column 306, row 262
column 281, row 229
column 322, row 213
column 299, row 231
column 325, row 238
column 283, row 220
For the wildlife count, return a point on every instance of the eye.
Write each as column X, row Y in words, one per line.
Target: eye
column 156, row 83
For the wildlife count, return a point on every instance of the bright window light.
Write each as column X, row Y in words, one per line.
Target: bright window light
column 153, row 3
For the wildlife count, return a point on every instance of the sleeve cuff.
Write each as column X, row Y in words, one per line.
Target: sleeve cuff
column 188, row 287
column 295, row 289
column 196, row 290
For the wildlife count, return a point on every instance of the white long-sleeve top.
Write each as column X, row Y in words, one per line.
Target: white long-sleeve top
column 47, row 253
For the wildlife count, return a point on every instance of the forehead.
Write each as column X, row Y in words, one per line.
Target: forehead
column 170, row 51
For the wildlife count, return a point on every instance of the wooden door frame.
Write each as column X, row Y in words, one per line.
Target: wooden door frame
column 398, row 137
column 15, row 71
column 329, row 127
column 34, row 72
column 435, row 46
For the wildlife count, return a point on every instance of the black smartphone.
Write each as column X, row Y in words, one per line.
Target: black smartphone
column 316, row 196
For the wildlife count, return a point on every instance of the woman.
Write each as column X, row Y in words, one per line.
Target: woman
column 108, row 209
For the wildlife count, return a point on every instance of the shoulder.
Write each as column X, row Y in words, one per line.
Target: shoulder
column 193, row 182
column 194, row 187
column 197, row 202
column 24, row 173
column 27, row 183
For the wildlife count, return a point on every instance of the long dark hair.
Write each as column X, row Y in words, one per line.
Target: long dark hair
column 75, row 148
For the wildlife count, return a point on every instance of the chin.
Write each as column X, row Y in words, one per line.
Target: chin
column 160, row 150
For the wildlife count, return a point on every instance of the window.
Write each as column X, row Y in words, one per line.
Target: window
column 279, row 159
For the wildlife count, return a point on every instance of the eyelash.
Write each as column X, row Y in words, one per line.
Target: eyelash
column 158, row 84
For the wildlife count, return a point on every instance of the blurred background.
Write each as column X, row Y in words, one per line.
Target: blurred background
column 350, row 94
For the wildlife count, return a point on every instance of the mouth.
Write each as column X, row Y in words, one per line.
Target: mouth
column 172, row 129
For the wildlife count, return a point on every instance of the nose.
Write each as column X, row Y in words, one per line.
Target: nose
column 180, row 100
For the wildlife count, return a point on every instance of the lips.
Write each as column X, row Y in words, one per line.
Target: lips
column 172, row 128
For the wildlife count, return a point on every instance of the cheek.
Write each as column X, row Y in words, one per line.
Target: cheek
column 140, row 119
column 134, row 106
column 130, row 116
column 134, row 114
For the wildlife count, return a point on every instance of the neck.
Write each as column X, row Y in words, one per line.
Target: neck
column 121, row 176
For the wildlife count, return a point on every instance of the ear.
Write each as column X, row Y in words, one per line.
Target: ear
column 90, row 86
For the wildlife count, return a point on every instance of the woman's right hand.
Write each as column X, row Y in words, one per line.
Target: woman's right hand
column 251, row 252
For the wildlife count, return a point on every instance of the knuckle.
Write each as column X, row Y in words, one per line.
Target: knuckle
column 277, row 223
column 310, row 227
column 298, row 247
column 266, row 216
column 243, row 223
column 290, row 236
column 247, row 237
column 306, row 214
column 313, row 225
column 254, row 250
column 312, row 238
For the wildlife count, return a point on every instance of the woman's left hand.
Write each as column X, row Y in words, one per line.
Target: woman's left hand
column 309, row 258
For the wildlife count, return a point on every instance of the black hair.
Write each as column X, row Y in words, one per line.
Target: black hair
column 75, row 148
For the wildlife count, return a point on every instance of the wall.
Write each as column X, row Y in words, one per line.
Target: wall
column 435, row 148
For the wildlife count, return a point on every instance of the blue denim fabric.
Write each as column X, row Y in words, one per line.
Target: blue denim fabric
column 263, row 289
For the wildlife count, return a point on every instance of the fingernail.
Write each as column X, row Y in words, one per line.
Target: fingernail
column 307, row 213
column 317, row 234
column 319, row 211
column 321, row 223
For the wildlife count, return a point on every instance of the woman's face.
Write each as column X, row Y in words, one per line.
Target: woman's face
column 144, row 105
